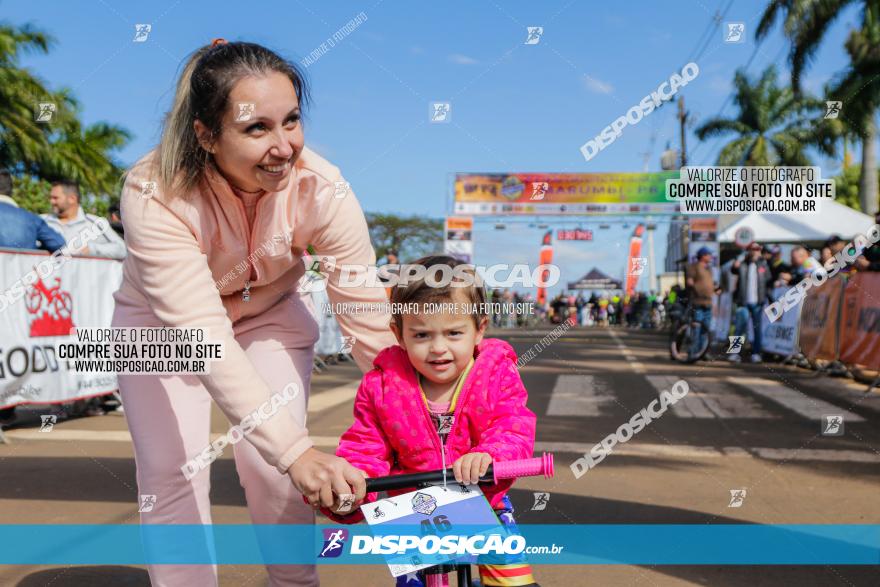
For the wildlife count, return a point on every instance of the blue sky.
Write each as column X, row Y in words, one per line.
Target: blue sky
column 515, row 107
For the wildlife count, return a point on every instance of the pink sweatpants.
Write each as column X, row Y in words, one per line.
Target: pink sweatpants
column 169, row 420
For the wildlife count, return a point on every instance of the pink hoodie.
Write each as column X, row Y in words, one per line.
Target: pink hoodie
column 189, row 258
column 393, row 433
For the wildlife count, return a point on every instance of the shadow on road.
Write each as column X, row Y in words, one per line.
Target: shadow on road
column 93, row 576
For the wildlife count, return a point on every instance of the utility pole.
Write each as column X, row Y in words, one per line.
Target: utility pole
column 682, row 119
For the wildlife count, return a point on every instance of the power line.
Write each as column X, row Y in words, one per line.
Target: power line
column 728, row 100
column 704, row 39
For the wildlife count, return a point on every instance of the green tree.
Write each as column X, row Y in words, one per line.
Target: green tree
column 847, row 186
column 31, row 193
column 21, row 138
column 59, row 146
column 805, row 23
column 411, row 236
column 773, row 126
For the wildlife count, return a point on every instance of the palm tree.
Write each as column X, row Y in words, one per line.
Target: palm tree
column 82, row 154
column 774, row 127
column 61, row 147
column 805, row 23
column 21, row 138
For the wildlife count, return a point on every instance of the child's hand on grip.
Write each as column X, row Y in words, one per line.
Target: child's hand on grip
column 470, row 467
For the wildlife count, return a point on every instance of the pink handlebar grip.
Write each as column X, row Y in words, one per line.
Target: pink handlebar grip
column 542, row 465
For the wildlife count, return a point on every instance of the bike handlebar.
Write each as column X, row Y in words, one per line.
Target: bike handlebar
column 542, row 465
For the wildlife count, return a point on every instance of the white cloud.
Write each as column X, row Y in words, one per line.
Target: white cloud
column 462, row 59
column 597, row 86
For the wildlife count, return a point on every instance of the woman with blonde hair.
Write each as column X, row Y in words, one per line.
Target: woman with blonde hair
column 216, row 219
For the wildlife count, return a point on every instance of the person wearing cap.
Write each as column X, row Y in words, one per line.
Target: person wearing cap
column 750, row 297
column 702, row 288
column 217, row 219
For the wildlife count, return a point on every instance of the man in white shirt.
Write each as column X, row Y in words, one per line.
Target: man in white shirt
column 69, row 220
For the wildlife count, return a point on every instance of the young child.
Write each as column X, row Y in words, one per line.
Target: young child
column 444, row 395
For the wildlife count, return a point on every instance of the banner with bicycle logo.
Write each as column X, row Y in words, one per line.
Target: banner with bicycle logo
column 40, row 309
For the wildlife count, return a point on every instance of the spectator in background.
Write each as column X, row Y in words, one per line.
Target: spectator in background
column 750, row 296
column 116, row 220
column 870, row 259
column 773, row 257
column 701, row 285
column 580, row 303
column 802, row 265
column 69, row 220
column 832, row 246
column 20, row 229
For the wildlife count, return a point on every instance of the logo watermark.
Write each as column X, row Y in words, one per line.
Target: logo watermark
column 267, row 246
column 737, row 498
column 832, row 267
column 440, row 112
column 245, row 111
column 533, row 35
column 347, row 344
column 341, row 189
column 539, row 190
column 441, row 275
column 735, row 344
column 147, row 503
column 539, row 346
column 832, row 425
column 148, row 189
column 637, row 265
column 832, row 108
column 47, row 422
column 334, row 541
column 629, row 429
column 541, row 501
column 235, row 434
column 331, row 41
column 735, row 32
column 431, row 544
column 142, row 32
column 45, row 111
column 665, row 92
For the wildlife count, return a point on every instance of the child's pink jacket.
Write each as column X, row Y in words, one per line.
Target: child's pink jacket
column 393, row 432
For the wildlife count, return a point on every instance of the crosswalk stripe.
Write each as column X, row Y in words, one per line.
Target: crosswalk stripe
column 710, row 398
column 684, row 451
column 61, row 434
column 579, row 395
column 796, row 401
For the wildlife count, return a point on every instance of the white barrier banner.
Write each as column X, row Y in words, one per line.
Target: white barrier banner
column 38, row 311
column 722, row 315
column 781, row 337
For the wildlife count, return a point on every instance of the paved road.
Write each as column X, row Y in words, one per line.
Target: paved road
column 741, row 427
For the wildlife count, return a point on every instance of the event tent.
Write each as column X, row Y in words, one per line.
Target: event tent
column 832, row 218
column 595, row 279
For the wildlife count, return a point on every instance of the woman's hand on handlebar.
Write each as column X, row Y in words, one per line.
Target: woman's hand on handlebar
column 321, row 478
